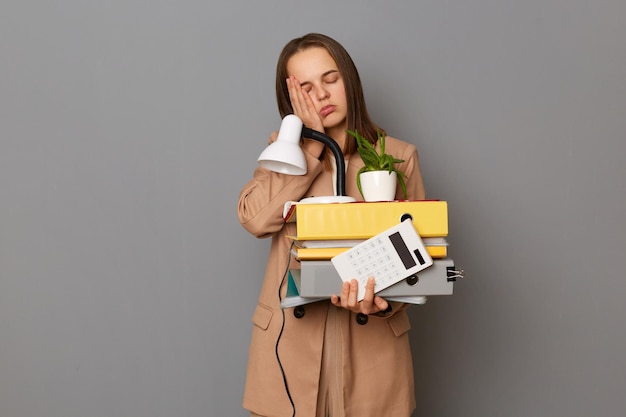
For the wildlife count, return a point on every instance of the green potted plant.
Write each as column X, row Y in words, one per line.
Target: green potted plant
column 378, row 178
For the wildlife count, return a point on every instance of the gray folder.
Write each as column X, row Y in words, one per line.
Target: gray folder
column 320, row 279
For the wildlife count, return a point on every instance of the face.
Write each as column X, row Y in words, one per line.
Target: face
column 319, row 76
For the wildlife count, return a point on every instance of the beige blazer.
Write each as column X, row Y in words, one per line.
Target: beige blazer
column 378, row 371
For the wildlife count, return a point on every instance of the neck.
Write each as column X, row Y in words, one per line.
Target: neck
column 339, row 135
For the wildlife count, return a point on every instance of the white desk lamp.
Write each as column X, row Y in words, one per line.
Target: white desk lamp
column 286, row 157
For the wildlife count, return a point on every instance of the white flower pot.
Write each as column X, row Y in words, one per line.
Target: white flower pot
column 378, row 185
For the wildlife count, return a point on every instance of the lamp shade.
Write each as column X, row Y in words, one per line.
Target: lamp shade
column 285, row 155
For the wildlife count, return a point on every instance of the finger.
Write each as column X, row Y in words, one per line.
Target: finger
column 292, row 95
column 354, row 290
column 314, row 121
column 345, row 292
column 368, row 300
column 296, row 96
column 381, row 303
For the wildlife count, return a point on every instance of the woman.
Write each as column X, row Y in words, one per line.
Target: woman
column 341, row 357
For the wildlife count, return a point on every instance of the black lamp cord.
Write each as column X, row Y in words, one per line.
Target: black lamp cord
column 280, row 298
column 337, row 153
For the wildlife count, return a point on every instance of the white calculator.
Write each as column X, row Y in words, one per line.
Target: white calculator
column 389, row 257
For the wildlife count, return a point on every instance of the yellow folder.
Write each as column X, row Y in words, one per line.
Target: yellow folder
column 363, row 220
column 325, row 253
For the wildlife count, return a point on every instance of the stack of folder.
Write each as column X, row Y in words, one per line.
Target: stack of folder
column 326, row 230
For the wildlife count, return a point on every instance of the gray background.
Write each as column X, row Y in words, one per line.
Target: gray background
column 128, row 128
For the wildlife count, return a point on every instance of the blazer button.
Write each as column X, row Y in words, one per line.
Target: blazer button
column 362, row 318
column 298, row 312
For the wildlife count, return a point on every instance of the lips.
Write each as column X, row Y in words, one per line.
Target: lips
column 326, row 110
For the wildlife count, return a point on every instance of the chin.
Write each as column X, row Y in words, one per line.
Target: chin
column 333, row 122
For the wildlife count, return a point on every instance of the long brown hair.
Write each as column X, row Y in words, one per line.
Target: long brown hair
column 357, row 118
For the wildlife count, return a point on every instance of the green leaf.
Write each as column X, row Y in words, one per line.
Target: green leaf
column 358, row 180
column 401, row 177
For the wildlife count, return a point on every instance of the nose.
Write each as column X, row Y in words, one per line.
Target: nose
column 322, row 93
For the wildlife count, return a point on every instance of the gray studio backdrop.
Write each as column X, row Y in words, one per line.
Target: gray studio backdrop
column 128, row 128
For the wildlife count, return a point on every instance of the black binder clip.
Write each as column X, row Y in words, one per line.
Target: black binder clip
column 454, row 273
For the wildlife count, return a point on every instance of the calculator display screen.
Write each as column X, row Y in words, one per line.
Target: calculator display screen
column 402, row 250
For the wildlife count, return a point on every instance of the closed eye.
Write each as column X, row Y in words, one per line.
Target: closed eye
column 331, row 77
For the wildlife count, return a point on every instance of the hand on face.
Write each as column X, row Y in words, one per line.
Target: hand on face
column 371, row 304
column 303, row 106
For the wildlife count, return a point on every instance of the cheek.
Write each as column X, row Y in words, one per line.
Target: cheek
column 339, row 91
column 340, row 100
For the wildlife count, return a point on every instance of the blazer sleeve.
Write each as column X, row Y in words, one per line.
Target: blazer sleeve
column 261, row 201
